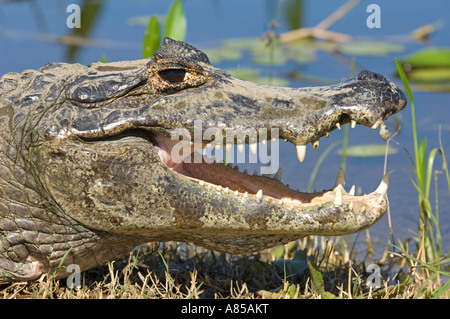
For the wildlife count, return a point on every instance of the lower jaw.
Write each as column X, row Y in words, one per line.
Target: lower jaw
column 226, row 179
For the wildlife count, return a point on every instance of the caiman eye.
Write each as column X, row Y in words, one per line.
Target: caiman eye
column 173, row 75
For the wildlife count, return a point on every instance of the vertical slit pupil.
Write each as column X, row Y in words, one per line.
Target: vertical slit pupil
column 173, row 75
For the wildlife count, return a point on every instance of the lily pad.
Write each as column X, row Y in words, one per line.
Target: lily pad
column 368, row 48
column 254, row 75
column 217, row 55
column 431, row 75
column 368, row 150
column 428, row 58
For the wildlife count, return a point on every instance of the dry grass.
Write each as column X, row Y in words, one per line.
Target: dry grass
column 173, row 270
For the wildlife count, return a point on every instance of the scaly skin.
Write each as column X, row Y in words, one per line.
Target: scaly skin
column 86, row 160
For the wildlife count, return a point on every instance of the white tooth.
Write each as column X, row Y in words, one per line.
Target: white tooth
column 259, row 194
column 327, row 134
column 301, row 152
column 352, row 191
column 377, row 124
column 245, row 194
column 285, row 140
column 316, row 144
column 236, row 192
column 240, row 148
column 218, row 147
column 218, row 188
column 274, row 139
column 208, row 145
column 226, row 190
column 281, row 201
column 228, row 147
column 340, row 179
column 353, row 123
column 263, row 141
column 278, row 174
column 338, row 198
column 383, row 187
column 201, row 183
column 253, row 148
column 350, row 206
column 338, row 125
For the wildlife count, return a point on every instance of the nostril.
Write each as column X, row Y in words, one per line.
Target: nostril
column 370, row 76
column 365, row 75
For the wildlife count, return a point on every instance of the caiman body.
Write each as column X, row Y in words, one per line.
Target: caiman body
column 88, row 161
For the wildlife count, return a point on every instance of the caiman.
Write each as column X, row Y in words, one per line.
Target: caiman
column 96, row 160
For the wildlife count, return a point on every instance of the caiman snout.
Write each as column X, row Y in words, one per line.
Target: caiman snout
column 389, row 90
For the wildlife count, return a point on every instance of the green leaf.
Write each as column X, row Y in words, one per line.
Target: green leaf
column 176, row 23
column 317, row 281
column 427, row 58
column 278, row 252
column 368, row 150
column 151, row 38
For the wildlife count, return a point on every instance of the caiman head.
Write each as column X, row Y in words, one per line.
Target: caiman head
column 122, row 152
column 119, row 151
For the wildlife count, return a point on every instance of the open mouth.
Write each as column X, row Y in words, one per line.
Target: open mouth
column 184, row 157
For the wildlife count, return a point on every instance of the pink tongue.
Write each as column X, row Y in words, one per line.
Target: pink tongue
column 172, row 152
column 169, row 151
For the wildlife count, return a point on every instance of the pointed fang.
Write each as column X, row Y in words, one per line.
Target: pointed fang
column 301, row 152
column 259, row 194
column 383, row 187
column 352, row 191
column 338, row 198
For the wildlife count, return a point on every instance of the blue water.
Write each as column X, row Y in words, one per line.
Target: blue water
column 29, row 29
